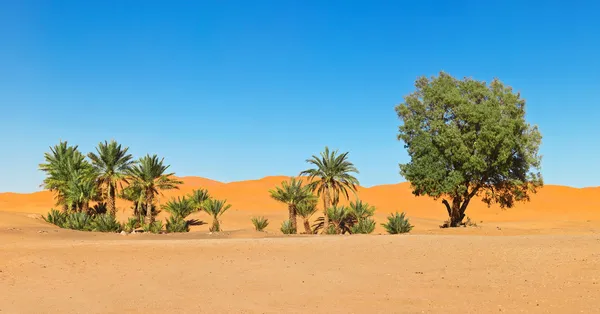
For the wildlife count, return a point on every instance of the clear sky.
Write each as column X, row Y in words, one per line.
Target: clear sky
column 236, row 90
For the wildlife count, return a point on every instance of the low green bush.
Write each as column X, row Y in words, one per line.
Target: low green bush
column 131, row 224
column 56, row 217
column 177, row 224
column 260, row 223
column 78, row 221
column 364, row 226
column 397, row 223
column 287, row 228
column 105, row 223
column 154, row 227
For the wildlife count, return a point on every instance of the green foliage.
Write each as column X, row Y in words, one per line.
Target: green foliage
column 287, row 228
column 111, row 163
column 199, row 198
column 131, row 224
column 467, row 138
column 105, row 223
column 363, row 226
column 180, row 207
column 397, row 223
column 177, row 224
column 331, row 230
column 260, row 223
column 69, row 176
column 78, row 221
column 56, row 217
column 153, row 227
column 361, row 210
column 331, row 177
column 216, row 208
column 147, row 178
column 292, row 193
column 305, row 210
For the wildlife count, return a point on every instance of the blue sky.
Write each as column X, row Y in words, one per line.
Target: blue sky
column 235, row 90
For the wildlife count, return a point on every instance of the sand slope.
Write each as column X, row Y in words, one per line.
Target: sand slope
column 552, row 207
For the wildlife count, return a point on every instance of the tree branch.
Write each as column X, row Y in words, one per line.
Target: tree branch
column 448, row 208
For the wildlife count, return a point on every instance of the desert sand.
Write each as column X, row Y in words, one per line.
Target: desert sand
column 538, row 257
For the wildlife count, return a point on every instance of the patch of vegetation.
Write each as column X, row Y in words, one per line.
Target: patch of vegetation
column 397, row 223
column 56, row 217
column 287, row 227
column 153, row 227
column 216, row 208
column 260, row 223
column 78, row 221
column 131, row 224
column 364, row 226
column 177, row 224
column 105, row 223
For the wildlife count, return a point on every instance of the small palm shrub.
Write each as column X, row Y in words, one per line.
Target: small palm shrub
column 154, row 227
column 331, row 230
column 287, row 227
column 180, row 207
column 78, row 221
column 364, row 226
column 305, row 210
column 260, row 223
column 56, row 217
column 131, row 224
column 215, row 208
column 105, row 223
column 397, row 223
column 177, row 224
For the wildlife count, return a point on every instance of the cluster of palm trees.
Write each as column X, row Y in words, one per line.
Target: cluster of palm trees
column 109, row 173
column 330, row 178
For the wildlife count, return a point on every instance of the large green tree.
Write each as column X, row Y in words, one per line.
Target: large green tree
column 465, row 139
column 111, row 162
column 149, row 176
column 331, row 177
column 292, row 193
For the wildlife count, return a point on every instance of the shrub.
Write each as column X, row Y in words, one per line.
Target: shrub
column 397, row 223
column 331, row 230
column 131, row 224
column 287, row 228
column 215, row 208
column 154, row 227
column 180, row 207
column 105, row 223
column 260, row 223
column 177, row 224
column 78, row 221
column 56, row 217
column 364, row 226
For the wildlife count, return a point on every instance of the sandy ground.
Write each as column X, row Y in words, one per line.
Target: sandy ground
column 540, row 257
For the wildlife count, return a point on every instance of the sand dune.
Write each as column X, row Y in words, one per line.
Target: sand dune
column 553, row 206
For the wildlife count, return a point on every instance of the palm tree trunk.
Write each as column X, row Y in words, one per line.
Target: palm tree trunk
column 307, row 229
column 292, row 216
column 112, row 206
column 326, row 204
column 149, row 217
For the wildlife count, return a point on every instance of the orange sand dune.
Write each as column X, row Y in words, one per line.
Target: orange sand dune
column 554, row 205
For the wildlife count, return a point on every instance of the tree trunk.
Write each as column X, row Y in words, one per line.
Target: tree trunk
column 149, row 217
column 456, row 212
column 326, row 204
column 307, row 229
column 292, row 216
column 86, row 207
column 112, row 206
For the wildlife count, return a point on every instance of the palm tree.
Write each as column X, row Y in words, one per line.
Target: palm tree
column 82, row 189
column 149, row 176
column 216, row 208
column 63, row 162
column 305, row 210
column 199, row 198
column 291, row 193
column 332, row 172
column 111, row 163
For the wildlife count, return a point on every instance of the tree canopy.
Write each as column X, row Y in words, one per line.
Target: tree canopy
column 466, row 138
